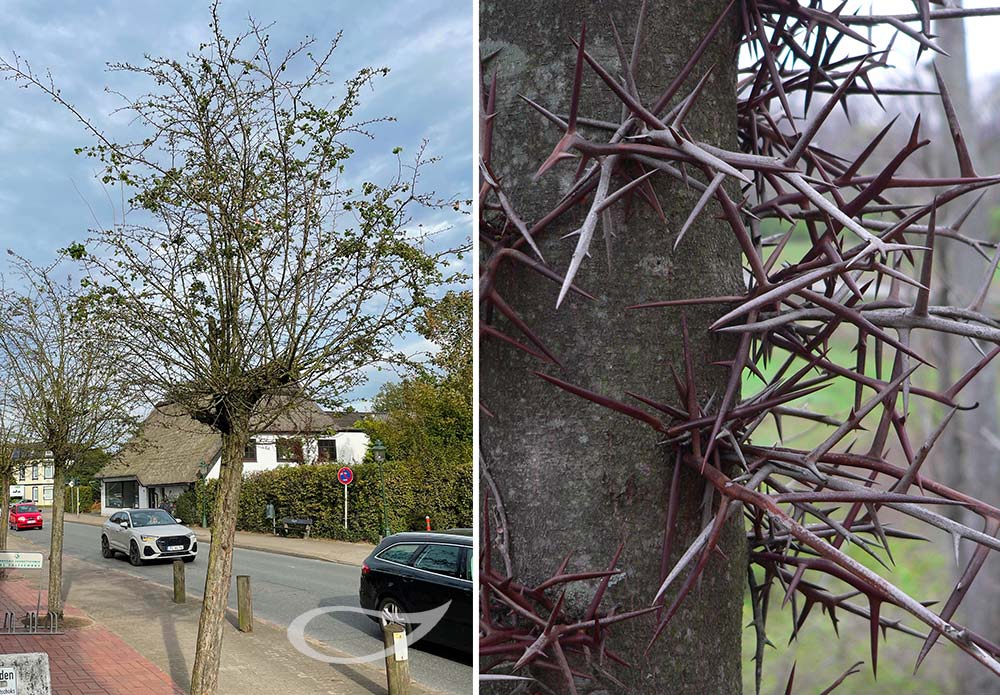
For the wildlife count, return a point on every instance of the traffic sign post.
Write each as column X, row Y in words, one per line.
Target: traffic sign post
column 346, row 476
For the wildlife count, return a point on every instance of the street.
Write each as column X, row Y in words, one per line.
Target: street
column 283, row 588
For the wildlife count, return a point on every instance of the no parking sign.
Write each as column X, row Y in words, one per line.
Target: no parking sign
column 346, row 476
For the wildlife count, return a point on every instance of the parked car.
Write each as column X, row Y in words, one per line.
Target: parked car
column 147, row 534
column 24, row 515
column 416, row 572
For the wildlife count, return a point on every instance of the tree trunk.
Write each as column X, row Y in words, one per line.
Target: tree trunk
column 4, row 509
column 208, row 652
column 574, row 477
column 55, row 606
column 967, row 456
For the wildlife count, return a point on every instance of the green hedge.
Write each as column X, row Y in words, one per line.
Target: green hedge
column 443, row 492
column 87, row 498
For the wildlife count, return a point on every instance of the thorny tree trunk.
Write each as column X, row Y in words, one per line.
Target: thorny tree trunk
column 55, row 606
column 4, row 505
column 968, row 455
column 205, row 676
column 574, row 477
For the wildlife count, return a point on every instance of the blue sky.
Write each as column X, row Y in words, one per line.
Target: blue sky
column 47, row 192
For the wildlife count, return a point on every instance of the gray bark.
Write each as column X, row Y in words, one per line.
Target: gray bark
column 967, row 458
column 205, row 675
column 55, row 599
column 5, row 479
column 574, row 477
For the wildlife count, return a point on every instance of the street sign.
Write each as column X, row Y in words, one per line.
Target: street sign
column 25, row 674
column 345, row 475
column 20, row 561
column 8, row 681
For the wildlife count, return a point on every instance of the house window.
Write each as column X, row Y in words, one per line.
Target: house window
column 47, row 493
column 23, row 472
column 250, row 453
column 34, row 471
column 50, row 472
column 123, row 494
column 327, row 450
column 289, row 450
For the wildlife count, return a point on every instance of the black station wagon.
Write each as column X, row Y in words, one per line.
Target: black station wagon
column 416, row 572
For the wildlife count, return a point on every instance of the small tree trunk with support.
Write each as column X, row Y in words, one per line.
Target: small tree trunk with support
column 55, row 601
column 4, row 505
column 205, row 676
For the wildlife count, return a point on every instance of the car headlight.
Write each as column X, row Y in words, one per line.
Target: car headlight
column 20, row 518
column 148, row 539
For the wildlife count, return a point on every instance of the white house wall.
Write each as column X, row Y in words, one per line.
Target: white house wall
column 351, row 449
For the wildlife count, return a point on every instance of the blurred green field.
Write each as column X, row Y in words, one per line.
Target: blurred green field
column 921, row 569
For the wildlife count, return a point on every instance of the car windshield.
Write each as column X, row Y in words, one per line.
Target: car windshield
column 151, row 517
column 22, row 508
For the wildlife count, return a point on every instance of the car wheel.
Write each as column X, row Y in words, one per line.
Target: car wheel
column 392, row 611
column 133, row 555
column 189, row 558
column 106, row 552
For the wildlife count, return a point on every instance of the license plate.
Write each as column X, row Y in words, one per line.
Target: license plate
column 29, row 521
column 175, row 547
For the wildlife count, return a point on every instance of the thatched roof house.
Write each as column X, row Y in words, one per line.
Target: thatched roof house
column 172, row 451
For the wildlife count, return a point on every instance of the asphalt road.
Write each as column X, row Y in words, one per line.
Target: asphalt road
column 284, row 587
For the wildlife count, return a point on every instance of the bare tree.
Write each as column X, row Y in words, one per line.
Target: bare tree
column 258, row 270
column 67, row 390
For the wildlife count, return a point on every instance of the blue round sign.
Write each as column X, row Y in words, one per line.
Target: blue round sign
column 345, row 475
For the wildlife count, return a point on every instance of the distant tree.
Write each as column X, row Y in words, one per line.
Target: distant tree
column 9, row 441
column 258, row 270
column 67, row 390
column 426, row 419
column 86, row 465
column 448, row 325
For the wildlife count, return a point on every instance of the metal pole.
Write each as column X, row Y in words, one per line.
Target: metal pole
column 345, row 507
column 385, row 505
column 203, row 469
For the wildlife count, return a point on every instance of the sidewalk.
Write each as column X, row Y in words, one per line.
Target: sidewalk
column 138, row 629
column 312, row 548
column 86, row 660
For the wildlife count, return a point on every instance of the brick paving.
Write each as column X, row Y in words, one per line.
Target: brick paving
column 89, row 660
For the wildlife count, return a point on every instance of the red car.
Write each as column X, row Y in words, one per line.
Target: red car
column 24, row 515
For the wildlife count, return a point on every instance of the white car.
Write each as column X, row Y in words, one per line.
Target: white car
column 147, row 534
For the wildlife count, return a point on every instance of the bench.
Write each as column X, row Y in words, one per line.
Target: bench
column 303, row 525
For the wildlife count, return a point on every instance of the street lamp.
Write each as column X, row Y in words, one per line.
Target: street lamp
column 378, row 453
column 203, row 472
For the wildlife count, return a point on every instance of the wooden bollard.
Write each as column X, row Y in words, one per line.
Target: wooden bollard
column 244, row 603
column 179, row 593
column 397, row 659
